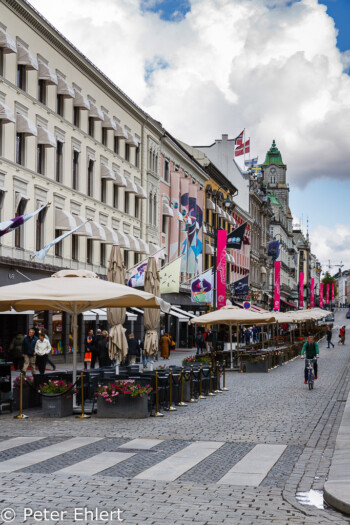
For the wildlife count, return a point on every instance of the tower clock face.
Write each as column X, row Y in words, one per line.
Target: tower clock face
column 273, row 171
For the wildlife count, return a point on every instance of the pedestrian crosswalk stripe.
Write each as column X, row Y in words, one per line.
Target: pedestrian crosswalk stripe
column 254, row 467
column 142, row 443
column 96, row 464
column 17, row 442
column 173, row 467
column 32, row 458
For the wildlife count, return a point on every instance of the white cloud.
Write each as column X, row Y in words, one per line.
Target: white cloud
column 332, row 244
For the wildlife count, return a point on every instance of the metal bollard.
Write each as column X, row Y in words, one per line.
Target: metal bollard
column 181, row 403
column 224, row 378
column 21, row 415
column 82, row 415
column 171, row 408
column 217, row 391
column 192, row 400
column 210, row 393
column 201, row 396
column 157, row 413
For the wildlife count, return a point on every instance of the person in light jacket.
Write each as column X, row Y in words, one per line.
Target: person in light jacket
column 42, row 350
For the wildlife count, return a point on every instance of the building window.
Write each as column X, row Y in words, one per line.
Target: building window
column 22, row 77
column 150, row 209
column 1, row 137
column 20, row 148
column 90, row 178
column 102, row 254
column 166, row 170
column 150, row 160
column 42, row 91
column 127, row 152
column 164, row 224
column 75, row 181
column 76, row 116
column 137, row 207
column 40, row 159
column 115, row 196
column 137, row 157
column 1, row 61
column 58, row 246
column 60, row 105
column 154, row 210
column 89, row 251
column 126, row 202
column 59, row 161
column 39, row 238
column 116, row 145
column 103, row 190
column 19, row 231
column 126, row 259
column 104, row 136
column 75, row 247
column 91, row 126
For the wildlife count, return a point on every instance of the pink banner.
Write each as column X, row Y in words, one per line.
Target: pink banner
column 221, row 268
column 301, row 290
column 175, row 222
column 277, row 295
column 312, row 293
column 332, row 291
column 321, row 295
column 327, row 294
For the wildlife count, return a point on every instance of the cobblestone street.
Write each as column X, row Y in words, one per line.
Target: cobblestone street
column 274, row 410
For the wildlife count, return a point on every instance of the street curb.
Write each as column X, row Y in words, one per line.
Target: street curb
column 337, row 488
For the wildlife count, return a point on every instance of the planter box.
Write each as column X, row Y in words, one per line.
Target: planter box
column 124, row 407
column 54, row 406
column 259, row 366
column 29, row 398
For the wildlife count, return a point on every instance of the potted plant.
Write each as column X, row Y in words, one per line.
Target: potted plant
column 123, row 399
column 257, row 363
column 29, row 396
column 57, row 398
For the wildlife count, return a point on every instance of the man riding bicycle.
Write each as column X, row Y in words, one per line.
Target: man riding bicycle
column 310, row 347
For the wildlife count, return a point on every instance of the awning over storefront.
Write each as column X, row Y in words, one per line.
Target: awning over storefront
column 90, row 315
column 46, row 138
column 111, row 236
column 130, row 186
column 144, row 247
column 25, row 58
column 120, row 180
column 123, row 240
column 289, row 304
column 63, row 88
column 183, row 312
column 95, row 112
column 45, row 73
column 98, row 232
column 107, row 173
column 26, row 126
column 108, row 122
column 80, row 101
column 134, row 243
column 86, row 230
column 120, row 131
column 64, row 221
column 182, row 318
column 6, row 114
column 132, row 140
column 6, row 43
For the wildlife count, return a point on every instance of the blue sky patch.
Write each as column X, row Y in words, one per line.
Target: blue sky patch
column 155, row 65
column 169, row 10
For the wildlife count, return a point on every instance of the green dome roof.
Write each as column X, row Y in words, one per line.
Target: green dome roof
column 273, row 156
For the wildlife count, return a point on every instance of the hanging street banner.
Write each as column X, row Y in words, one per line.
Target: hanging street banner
column 235, row 238
column 301, row 290
column 240, row 287
column 277, row 294
column 202, row 288
column 321, row 295
column 137, row 277
column 12, row 224
column 170, row 277
column 332, row 292
column 274, row 249
column 221, row 268
column 312, row 293
column 327, row 293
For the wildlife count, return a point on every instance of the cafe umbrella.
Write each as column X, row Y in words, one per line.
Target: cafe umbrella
column 74, row 292
column 151, row 316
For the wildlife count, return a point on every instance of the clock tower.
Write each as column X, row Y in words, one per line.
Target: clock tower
column 275, row 175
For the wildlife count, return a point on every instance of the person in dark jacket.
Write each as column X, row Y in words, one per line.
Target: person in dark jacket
column 28, row 351
column 329, row 337
column 15, row 351
column 133, row 349
column 103, row 349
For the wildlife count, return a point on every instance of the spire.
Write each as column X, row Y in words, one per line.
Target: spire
column 273, row 156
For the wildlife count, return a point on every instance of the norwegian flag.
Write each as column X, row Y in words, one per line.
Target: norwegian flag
column 244, row 148
column 239, row 139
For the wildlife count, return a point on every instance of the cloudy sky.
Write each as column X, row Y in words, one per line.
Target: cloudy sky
column 278, row 68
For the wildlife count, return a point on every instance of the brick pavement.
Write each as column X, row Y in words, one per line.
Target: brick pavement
column 259, row 408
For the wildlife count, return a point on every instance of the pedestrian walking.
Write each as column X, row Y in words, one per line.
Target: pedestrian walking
column 209, row 341
column 329, row 337
column 165, row 346
column 133, row 349
column 144, row 357
column 342, row 335
column 103, row 348
column 48, row 356
column 200, row 342
column 15, row 351
column 28, row 351
column 247, row 336
column 89, row 347
column 42, row 350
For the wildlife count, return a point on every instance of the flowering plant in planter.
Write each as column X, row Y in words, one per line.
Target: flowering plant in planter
column 124, row 388
column 196, row 359
column 161, row 367
column 257, row 359
column 27, row 381
column 58, row 386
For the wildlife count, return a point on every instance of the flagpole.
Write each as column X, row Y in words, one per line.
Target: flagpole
column 244, row 147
